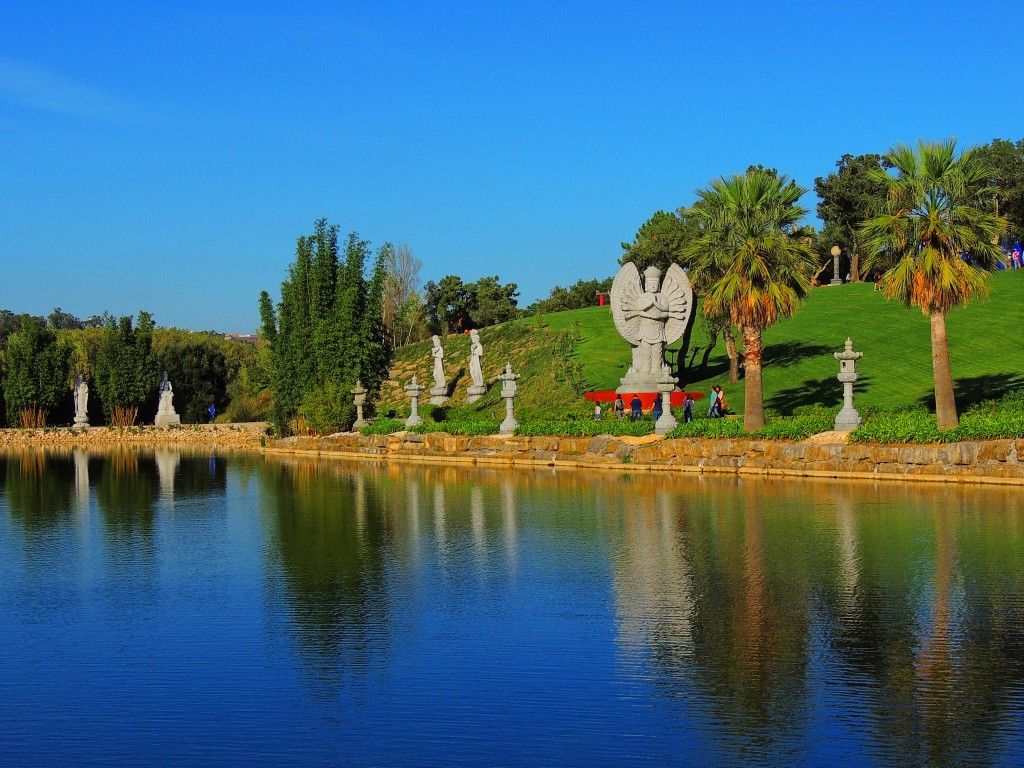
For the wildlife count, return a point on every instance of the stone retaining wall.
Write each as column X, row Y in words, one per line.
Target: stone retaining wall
column 985, row 461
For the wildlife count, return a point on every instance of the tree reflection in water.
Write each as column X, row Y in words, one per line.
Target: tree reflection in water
column 889, row 615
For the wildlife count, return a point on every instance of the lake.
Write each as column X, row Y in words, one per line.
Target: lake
column 175, row 609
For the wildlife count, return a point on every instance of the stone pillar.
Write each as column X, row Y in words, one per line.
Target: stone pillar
column 847, row 419
column 836, row 279
column 509, row 392
column 414, row 389
column 667, row 422
column 359, row 400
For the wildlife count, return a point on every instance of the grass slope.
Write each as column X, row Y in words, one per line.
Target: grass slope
column 986, row 342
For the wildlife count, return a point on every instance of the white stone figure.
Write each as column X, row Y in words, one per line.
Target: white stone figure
column 476, row 371
column 165, row 413
column 439, row 392
column 81, row 403
column 650, row 314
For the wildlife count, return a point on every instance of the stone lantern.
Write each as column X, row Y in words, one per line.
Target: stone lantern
column 836, row 279
column 666, row 422
column 509, row 390
column 848, row 419
column 359, row 400
column 414, row 389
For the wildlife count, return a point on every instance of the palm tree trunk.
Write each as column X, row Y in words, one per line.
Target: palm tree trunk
column 753, row 408
column 945, row 402
column 734, row 358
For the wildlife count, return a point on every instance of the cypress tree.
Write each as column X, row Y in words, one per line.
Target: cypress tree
column 326, row 331
column 125, row 368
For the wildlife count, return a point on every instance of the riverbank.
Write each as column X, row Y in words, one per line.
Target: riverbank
column 827, row 455
column 226, row 436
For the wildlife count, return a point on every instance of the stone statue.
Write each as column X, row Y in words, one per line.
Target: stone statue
column 476, row 371
column 439, row 392
column 165, row 413
column 438, row 354
column 81, row 402
column 650, row 314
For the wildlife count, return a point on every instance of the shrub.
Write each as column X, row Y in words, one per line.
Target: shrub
column 586, row 428
column 383, row 427
column 713, row 428
column 328, row 408
column 459, row 427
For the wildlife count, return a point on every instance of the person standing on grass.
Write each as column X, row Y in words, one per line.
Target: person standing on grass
column 213, row 413
column 688, row 408
column 620, row 407
column 715, row 410
column 635, row 408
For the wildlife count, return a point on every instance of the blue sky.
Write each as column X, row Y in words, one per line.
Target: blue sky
column 166, row 156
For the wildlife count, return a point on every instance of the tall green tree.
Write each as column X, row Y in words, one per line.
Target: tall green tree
column 35, row 373
column 450, row 304
column 939, row 210
column 495, row 303
column 126, row 372
column 750, row 238
column 847, row 198
column 327, row 331
column 1006, row 161
column 659, row 241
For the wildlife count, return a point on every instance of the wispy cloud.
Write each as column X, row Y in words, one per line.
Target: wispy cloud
column 32, row 86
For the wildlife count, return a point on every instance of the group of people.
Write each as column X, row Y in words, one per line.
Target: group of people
column 716, row 407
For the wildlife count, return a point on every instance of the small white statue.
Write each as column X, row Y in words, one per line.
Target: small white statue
column 81, row 402
column 476, row 355
column 438, row 354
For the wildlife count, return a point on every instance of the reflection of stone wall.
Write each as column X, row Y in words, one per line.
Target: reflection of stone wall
column 220, row 435
column 986, row 461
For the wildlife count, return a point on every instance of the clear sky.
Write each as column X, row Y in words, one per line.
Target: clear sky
column 165, row 156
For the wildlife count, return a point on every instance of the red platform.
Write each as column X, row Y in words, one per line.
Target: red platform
column 646, row 398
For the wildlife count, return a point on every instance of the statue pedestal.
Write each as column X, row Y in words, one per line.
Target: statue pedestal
column 635, row 383
column 80, row 423
column 474, row 393
column 166, row 418
column 438, row 395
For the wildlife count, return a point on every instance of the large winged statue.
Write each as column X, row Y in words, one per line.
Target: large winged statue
column 650, row 313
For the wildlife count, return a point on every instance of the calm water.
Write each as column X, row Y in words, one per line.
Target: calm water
column 180, row 610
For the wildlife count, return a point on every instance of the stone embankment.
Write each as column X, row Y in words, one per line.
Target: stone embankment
column 225, row 436
column 990, row 461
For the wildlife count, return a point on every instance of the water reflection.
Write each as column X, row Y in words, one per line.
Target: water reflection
column 439, row 615
column 329, row 534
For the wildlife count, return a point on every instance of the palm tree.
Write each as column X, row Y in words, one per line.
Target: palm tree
column 752, row 257
column 936, row 242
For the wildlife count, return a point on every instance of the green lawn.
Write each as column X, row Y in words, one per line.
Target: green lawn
column 986, row 343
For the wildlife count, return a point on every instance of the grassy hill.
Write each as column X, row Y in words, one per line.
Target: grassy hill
column 986, row 342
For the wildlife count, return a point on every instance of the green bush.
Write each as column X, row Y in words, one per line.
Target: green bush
column 328, row 408
column 714, row 428
column 806, row 420
column 988, row 420
column 459, row 427
column 585, row 428
column 383, row 427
